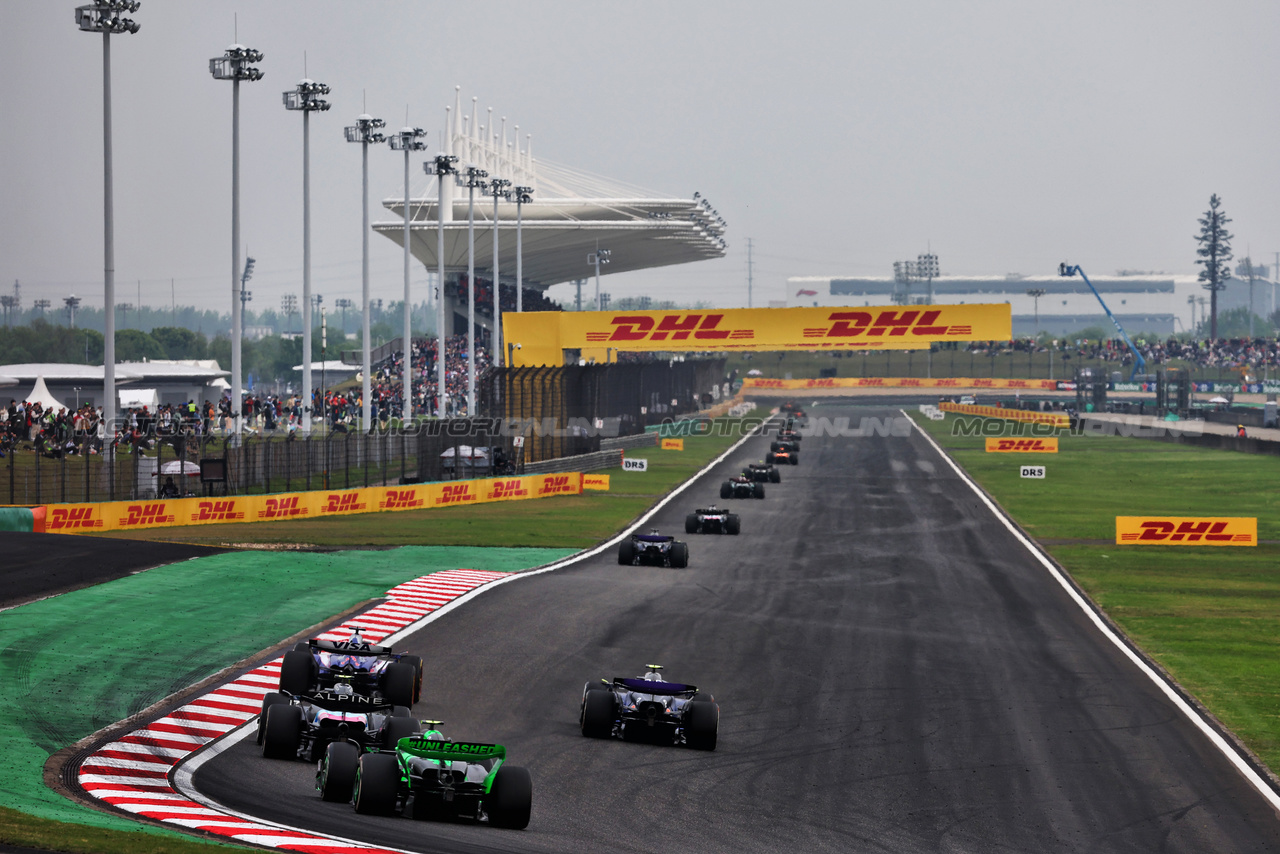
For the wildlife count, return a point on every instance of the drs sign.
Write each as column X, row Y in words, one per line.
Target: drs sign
column 1033, row 471
column 633, row 464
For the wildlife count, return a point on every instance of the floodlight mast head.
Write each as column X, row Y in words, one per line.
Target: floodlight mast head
column 104, row 17
column 498, row 187
column 307, row 97
column 408, row 139
column 440, row 165
column 236, row 64
column 365, row 129
column 520, row 195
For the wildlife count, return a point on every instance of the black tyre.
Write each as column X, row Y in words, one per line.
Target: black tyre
column 704, row 696
column 701, row 723
column 679, row 555
column 691, row 523
column 626, row 552
column 795, row 459
column 272, row 699
column 416, row 663
column 726, row 490
column 733, row 524
column 397, row 728
column 338, row 771
column 597, row 714
column 283, row 733
column 401, row 712
column 302, row 646
column 296, row 672
column 511, row 798
column 757, row 490
column 775, row 476
column 398, row 682
column 594, row 686
column 376, row 784
column 768, row 458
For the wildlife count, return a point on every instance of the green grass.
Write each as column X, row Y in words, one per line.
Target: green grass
column 1209, row 615
column 573, row 521
column 20, row 829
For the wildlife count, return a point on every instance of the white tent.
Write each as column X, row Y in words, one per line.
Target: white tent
column 136, row 398
column 40, row 394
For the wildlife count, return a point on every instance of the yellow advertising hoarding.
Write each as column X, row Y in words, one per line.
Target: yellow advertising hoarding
column 1186, row 531
column 673, row 444
column 596, row 481
column 1058, row 419
column 751, row 384
column 1046, row 445
column 540, row 337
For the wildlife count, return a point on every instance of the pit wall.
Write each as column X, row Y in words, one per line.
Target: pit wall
column 130, row 515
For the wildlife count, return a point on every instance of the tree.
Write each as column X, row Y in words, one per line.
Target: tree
column 180, row 343
column 1215, row 256
column 134, row 345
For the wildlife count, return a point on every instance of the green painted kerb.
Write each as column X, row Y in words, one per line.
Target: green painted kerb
column 79, row 662
column 18, row 519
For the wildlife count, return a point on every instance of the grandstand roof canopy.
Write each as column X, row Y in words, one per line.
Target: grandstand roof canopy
column 572, row 213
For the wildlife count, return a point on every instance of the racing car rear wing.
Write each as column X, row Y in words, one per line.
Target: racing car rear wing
column 447, row 751
column 341, row 702
column 640, row 686
column 350, row 647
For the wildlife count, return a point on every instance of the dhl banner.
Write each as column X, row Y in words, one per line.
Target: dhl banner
column 544, row 335
column 1045, row 445
column 673, row 444
column 595, row 481
column 1186, row 531
column 1058, row 419
column 756, row 383
column 125, row 515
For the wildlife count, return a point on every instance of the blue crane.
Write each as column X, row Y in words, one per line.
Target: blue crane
column 1139, row 363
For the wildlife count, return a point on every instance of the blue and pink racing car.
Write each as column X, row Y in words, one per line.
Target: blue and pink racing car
column 650, row 710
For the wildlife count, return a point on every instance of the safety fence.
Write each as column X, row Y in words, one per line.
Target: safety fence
column 92, row 518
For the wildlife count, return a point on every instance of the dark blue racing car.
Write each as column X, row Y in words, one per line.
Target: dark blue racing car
column 653, row 549
column 651, row 710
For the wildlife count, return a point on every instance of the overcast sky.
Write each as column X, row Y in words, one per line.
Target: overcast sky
column 839, row 136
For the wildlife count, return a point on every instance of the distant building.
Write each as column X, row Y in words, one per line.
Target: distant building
column 1144, row 303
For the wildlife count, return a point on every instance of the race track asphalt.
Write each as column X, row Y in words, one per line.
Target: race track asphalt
column 38, row 565
column 895, row 674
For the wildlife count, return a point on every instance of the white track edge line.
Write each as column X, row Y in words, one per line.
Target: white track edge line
column 182, row 779
column 1226, row 748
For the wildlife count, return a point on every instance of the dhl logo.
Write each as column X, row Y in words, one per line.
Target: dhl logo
column 850, row 324
column 557, row 485
column 513, row 488
column 1022, row 446
column 1175, row 531
column 822, row 383
column 145, row 514
column 595, row 481
column 459, row 494
column 669, row 327
column 401, row 499
column 343, row 503
column 70, row 518
column 283, row 508
column 217, row 511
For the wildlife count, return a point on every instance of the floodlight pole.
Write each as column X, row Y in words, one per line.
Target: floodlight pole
column 522, row 195
column 235, row 65
column 409, row 140
column 104, row 17
column 475, row 178
column 440, row 167
column 306, row 99
column 364, row 131
column 497, row 187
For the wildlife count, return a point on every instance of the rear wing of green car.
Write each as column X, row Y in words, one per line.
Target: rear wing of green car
column 449, row 751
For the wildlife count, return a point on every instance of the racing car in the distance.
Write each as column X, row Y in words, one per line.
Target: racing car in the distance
column 649, row 709
column 762, row 472
column 712, row 520
column 741, row 487
column 304, row 727
column 371, row 670
column 783, row 455
column 434, row 778
column 653, row 549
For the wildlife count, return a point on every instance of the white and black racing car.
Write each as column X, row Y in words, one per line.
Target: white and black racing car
column 741, row 487
column 303, row 727
column 712, row 520
column 651, row 710
column 653, row 549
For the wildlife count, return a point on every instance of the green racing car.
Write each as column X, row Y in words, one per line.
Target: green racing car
column 434, row 778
